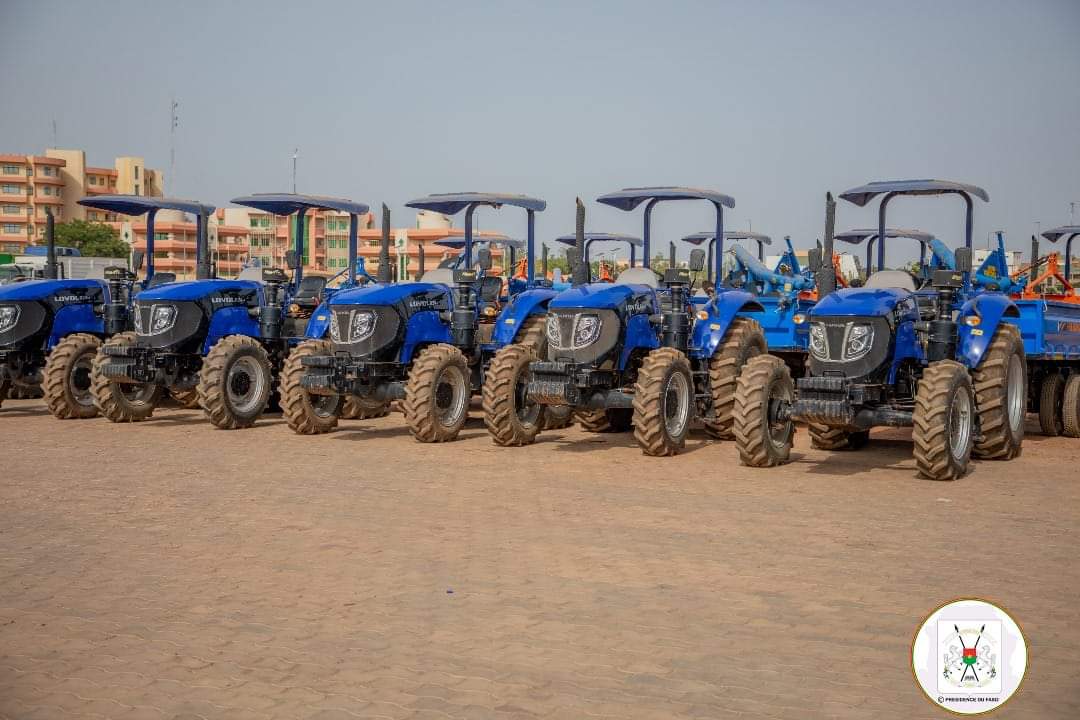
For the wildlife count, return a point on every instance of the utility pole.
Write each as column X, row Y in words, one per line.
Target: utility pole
column 295, row 154
column 174, row 122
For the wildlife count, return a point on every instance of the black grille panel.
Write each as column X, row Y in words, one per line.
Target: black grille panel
column 387, row 329
column 32, row 321
column 190, row 319
column 610, row 332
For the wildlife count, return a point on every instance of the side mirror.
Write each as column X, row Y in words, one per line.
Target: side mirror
column 813, row 258
column 137, row 257
column 483, row 258
column 290, row 259
column 697, row 260
column 963, row 259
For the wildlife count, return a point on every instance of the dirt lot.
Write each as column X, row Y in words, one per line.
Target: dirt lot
column 171, row 570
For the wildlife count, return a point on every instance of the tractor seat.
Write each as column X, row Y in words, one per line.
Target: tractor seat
column 638, row 276
column 490, row 288
column 442, row 276
column 897, row 279
column 311, row 287
column 160, row 279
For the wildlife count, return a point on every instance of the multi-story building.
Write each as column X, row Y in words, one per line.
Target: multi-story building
column 30, row 184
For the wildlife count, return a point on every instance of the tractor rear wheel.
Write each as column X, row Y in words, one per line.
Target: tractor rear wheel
column 558, row 417
column 437, row 394
column 510, row 418
column 305, row 412
column 66, row 377
column 186, row 399
column 825, row 437
column 1051, row 399
column 364, row 408
column 1070, row 407
column 762, row 439
column 744, row 340
column 121, row 401
column 1000, row 383
column 614, row 420
column 533, row 334
column 663, row 402
column 944, row 420
column 235, row 382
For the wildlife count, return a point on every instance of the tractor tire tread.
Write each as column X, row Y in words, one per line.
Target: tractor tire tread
column 57, row 372
column 649, row 421
column 751, row 412
column 213, row 395
column 499, row 395
column 744, row 340
column 419, row 388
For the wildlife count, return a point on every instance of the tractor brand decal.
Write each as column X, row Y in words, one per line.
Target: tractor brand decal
column 639, row 305
column 420, row 303
column 227, row 300
column 70, row 298
column 976, row 332
column 969, row 656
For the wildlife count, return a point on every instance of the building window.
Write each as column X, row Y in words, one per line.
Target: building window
column 136, row 189
column 12, row 228
column 161, row 236
column 254, row 222
column 13, row 210
column 48, row 171
column 93, row 180
column 136, row 173
column 10, row 189
column 11, row 169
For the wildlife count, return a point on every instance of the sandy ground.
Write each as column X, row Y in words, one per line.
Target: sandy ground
column 170, row 570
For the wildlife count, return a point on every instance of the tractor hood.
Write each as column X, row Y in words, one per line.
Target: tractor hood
column 197, row 289
column 380, row 294
column 600, row 296
column 863, row 302
column 47, row 289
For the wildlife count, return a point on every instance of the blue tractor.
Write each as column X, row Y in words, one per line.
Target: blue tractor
column 51, row 329
column 224, row 339
column 940, row 355
column 429, row 343
column 640, row 351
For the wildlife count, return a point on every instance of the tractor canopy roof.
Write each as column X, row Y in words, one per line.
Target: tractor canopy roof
column 453, row 203
column 288, row 203
column 700, row 237
column 140, row 204
column 458, row 242
column 1059, row 232
column 865, row 193
column 857, row 236
column 601, row 237
column 630, row 198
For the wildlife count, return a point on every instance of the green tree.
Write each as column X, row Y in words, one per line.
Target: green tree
column 92, row 239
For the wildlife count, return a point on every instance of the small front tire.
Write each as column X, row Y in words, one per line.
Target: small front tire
column 944, row 421
column 235, row 382
column 764, row 386
column 663, row 403
column 437, row 394
column 66, row 378
column 510, row 418
column 121, row 402
column 306, row 413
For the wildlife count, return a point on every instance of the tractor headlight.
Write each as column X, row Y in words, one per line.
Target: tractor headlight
column 819, row 343
column 586, row 330
column 9, row 315
column 362, row 326
column 162, row 318
column 554, row 334
column 858, row 341
column 335, row 329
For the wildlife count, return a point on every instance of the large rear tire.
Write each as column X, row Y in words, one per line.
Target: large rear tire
column 825, row 437
column 558, row 417
column 762, row 440
column 437, row 394
column 1000, row 384
column 944, row 430
column 663, row 402
column 235, row 382
column 1051, row 399
column 121, row 402
column 1070, row 407
column 305, row 412
column 510, row 418
column 66, row 378
column 363, row 408
column 743, row 341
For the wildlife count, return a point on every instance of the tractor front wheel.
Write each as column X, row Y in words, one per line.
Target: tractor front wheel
column 1051, row 399
column 1070, row 407
column 364, row 408
column 307, row 413
column 663, row 402
column 824, row 437
column 186, row 399
column 510, row 418
column 764, row 386
column 558, row 417
column 944, row 430
column 744, row 340
column 613, row 420
column 1000, row 384
column 437, row 394
column 66, row 377
column 121, row 402
column 235, row 382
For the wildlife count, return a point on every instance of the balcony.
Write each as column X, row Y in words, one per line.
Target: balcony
column 48, row 200
column 46, row 180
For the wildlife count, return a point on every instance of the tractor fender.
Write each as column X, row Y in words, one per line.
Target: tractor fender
column 423, row 328
column 709, row 333
column 319, row 322
column 77, row 318
column 230, row 321
column 513, row 316
column 993, row 309
column 640, row 334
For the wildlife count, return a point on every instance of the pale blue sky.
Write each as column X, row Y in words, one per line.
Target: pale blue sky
column 771, row 102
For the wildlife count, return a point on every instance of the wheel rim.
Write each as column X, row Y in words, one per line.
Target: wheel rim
column 450, row 395
column 528, row 413
column 136, row 393
column 1015, row 390
column 779, row 431
column 324, row 406
column 80, row 381
column 244, row 384
column 676, row 404
column 959, row 425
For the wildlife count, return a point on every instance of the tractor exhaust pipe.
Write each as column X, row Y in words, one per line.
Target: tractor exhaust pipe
column 671, row 255
column 384, row 248
column 581, row 270
column 826, row 280
column 543, row 261
column 1034, row 252
column 50, row 241
column 420, row 258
